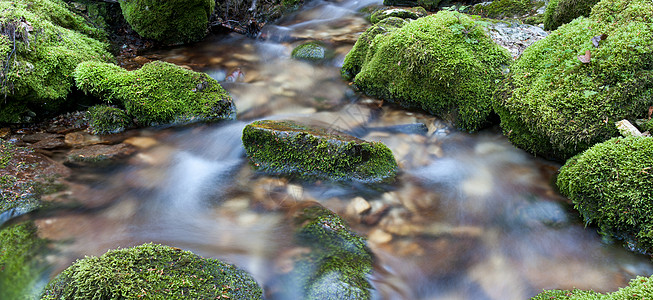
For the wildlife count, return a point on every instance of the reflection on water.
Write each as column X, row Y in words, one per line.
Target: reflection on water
column 470, row 216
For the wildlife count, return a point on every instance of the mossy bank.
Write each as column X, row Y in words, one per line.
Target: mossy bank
column 566, row 91
column 445, row 64
column 311, row 152
column 157, row 93
column 152, row 271
column 639, row 288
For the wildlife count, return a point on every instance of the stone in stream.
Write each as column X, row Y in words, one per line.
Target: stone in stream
column 311, row 152
column 313, row 51
column 99, row 155
column 152, row 271
column 333, row 263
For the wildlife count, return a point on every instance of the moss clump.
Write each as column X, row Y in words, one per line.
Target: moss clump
column 104, row 119
column 338, row 263
column 169, row 21
column 50, row 41
column 312, row 52
column 639, row 288
column 445, row 64
column 500, row 9
column 560, row 12
column 611, row 184
column 157, row 93
column 309, row 152
column 21, row 261
column 403, row 13
column 152, row 271
column 556, row 106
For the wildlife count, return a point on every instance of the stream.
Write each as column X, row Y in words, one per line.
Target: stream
column 469, row 217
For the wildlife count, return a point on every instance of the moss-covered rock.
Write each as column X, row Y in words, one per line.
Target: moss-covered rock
column 21, row 261
column 556, row 105
column 560, row 12
column 41, row 43
column 611, row 184
column 157, row 93
column 169, row 21
column 639, row 288
column 337, row 264
column 311, row 152
column 104, row 119
column 313, row 52
column 500, row 9
column 403, row 13
column 445, row 64
column 431, row 5
column 152, row 271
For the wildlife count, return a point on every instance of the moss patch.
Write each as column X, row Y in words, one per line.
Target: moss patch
column 103, row 119
column 403, row 13
column 157, row 93
column 309, row 152
column 444, row 63
column 313, row 51
column 611, row 184
column 560, row 12
column 21, row 261
column 50, row 41
column 556, row 106
column 152, row 271
column 639, row 288
column 500, row 9
column 170, row 21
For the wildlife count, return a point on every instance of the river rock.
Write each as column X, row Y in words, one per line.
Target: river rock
column 99, row 155
column 515, row 37
column 313, row 51
column 314, row 152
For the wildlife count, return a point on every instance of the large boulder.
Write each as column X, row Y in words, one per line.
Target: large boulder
column 445, row 64
column 560, row 12
column 611, row 184
column 169, row 21
column 566, row 91
column 41, row 43
column 157, row 93
column 336, row 264
column 152, row 271
column 312, row 152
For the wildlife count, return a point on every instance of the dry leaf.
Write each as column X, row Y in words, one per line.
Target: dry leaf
column 585, row 58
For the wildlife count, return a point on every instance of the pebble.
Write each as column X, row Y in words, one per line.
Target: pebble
column 359, row 206
column 378, row 236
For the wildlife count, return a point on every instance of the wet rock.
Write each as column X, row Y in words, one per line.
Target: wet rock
column 359, row 206
column 334, row 262
column 81, row 139
column 99, row 155
column 515, row 37
column 152, row 270
column 313, row 52
column 314, row 152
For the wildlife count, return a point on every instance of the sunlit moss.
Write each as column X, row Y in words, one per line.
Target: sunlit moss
column 507, row 8
column 445, row 64
column 153, row 272
column 560, row 12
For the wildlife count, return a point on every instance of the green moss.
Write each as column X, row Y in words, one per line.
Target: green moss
column 430, row 5
column 338, row 263
column 639, row 288
column 500, row 9
column 288, row 148
column 103, row 119
column 444, row 64
column 611, row 184
column 556, row 106
column 403, row 13
column 21, row 261
column 560, row 12
column 153, row 272
column 17, row 193
column 313, row 51
column 50, row 42
column 170, row 21
column 157, row 93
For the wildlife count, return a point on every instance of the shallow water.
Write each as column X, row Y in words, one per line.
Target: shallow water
column 470, row 216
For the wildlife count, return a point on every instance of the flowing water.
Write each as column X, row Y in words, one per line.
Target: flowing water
column 470, row 216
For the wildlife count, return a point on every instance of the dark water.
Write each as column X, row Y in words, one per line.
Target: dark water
column 470, row 216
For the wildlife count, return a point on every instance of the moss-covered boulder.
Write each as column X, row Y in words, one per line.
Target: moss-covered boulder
column 313, row 51
column 21, row 260
column 560, row 12
column 445, row 64
column 566, row 91
column 152, row 271
column 169, row 21
column 337, row 263
column 638, row 288
column 104, row 119
column 431, row 5
column 288, row 148
column 500, row 9
column 41, row 43
column 611, row 184
column 157, row 93
column 403, row 13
